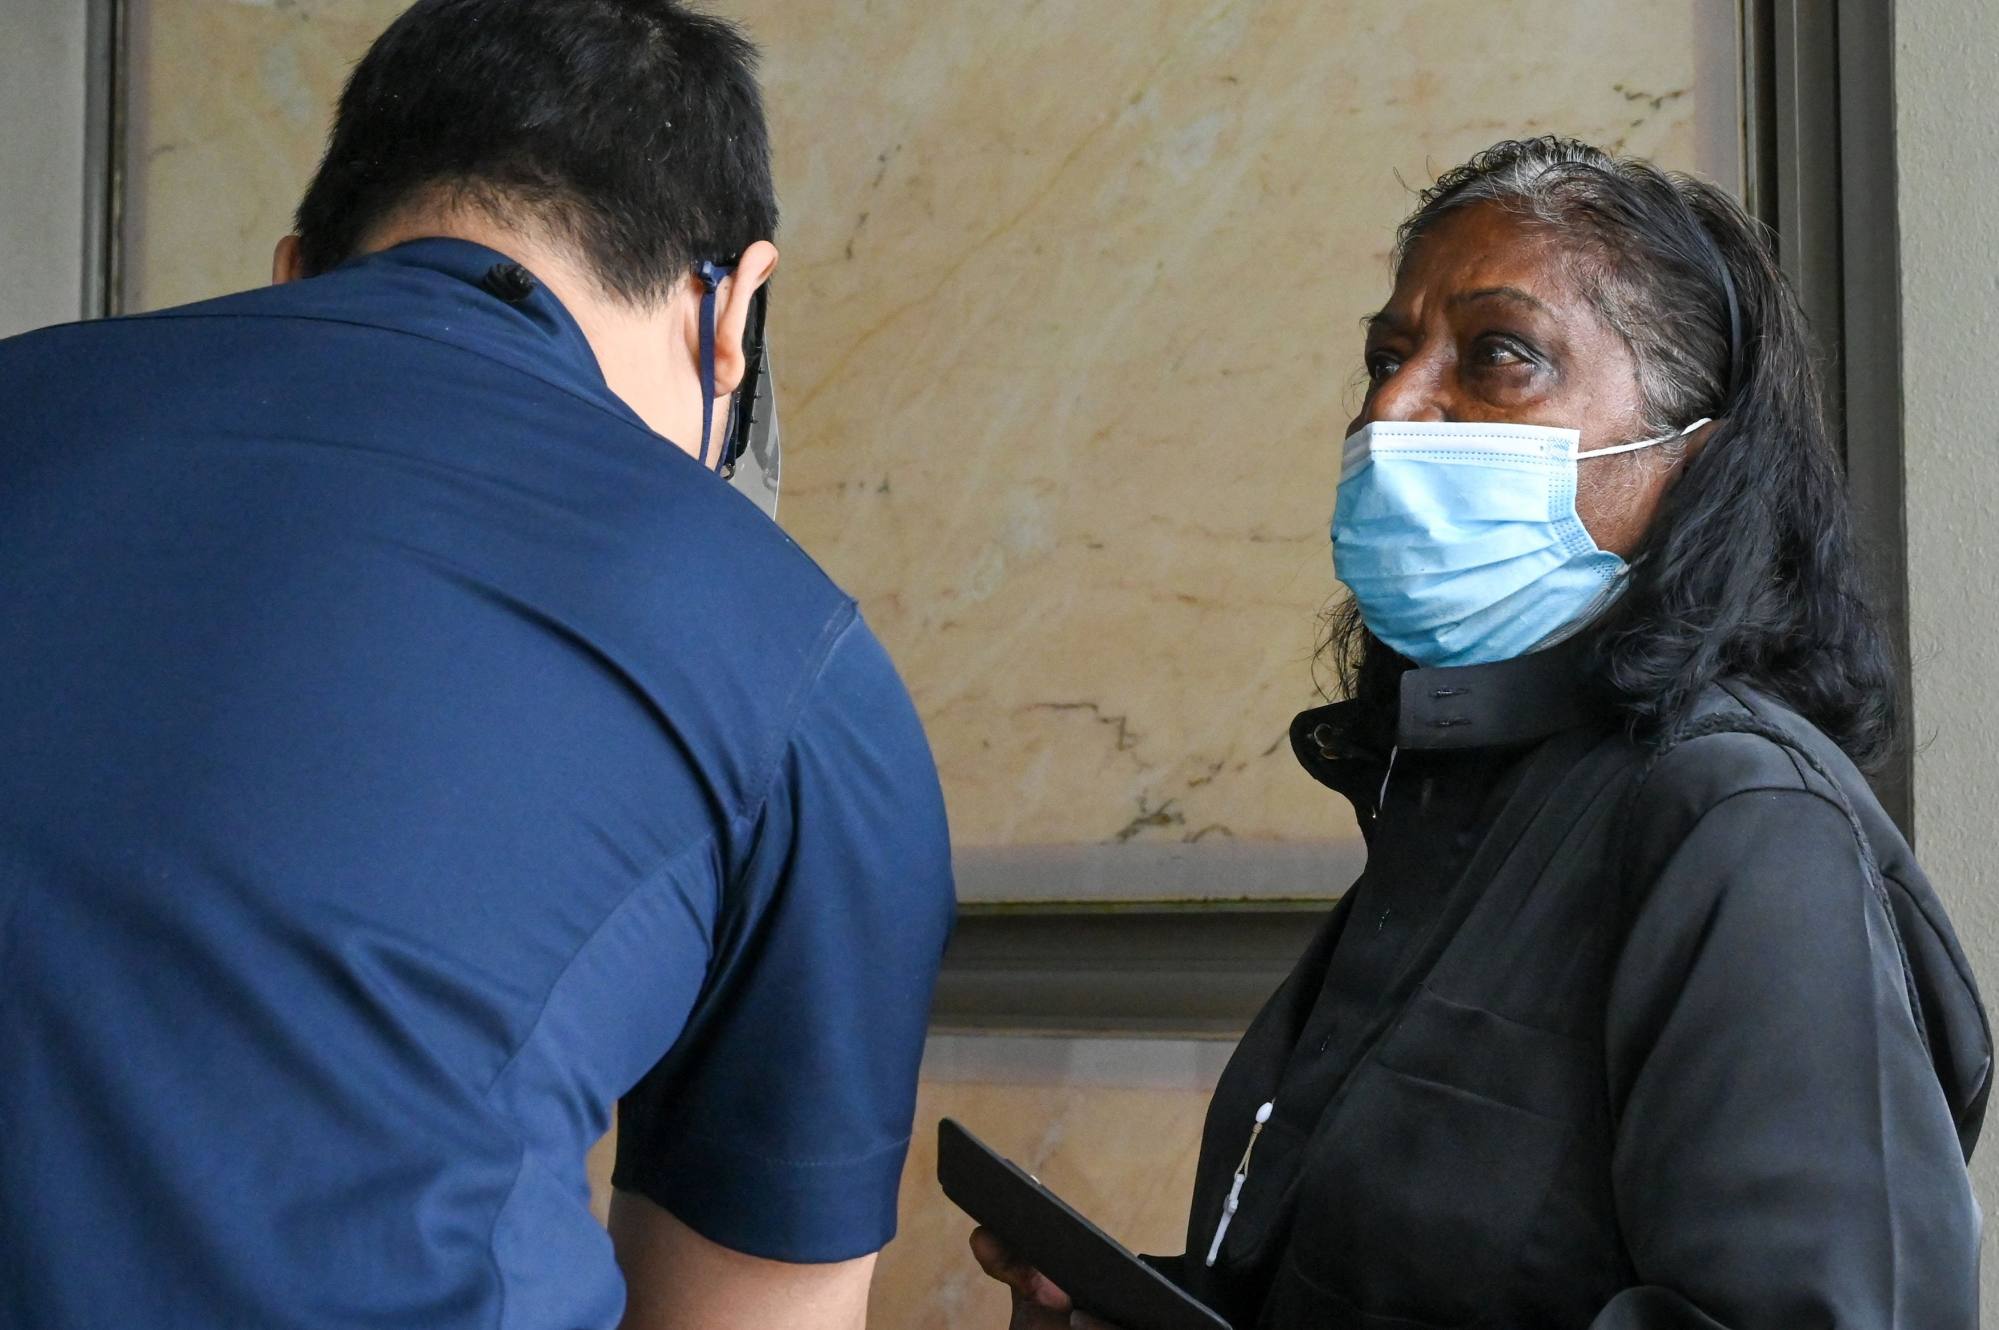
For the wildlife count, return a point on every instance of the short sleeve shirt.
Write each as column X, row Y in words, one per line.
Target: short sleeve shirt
column 407, row 757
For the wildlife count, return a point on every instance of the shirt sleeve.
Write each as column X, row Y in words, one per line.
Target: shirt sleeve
column 779, row 1123
column 1784, row 1155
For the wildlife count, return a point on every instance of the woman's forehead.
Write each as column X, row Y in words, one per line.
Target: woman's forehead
column 1486, row 247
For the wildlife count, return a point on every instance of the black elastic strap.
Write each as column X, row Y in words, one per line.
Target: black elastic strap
column 1735, row 347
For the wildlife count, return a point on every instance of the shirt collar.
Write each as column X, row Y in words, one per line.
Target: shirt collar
column 494, row 306
column 1507, row 704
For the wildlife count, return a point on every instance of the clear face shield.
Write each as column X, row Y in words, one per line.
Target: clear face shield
column 751, row 452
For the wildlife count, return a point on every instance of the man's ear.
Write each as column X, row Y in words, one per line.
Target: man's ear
column 287, row 262
column 732, row 313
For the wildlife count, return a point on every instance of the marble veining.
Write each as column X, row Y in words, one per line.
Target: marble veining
column 1066, row 328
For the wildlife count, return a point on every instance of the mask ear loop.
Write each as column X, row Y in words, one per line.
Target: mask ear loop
column 1646, row 443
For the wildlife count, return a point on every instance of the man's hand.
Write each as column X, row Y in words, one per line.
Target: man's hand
column 678, row 1280
column 1037, row 1304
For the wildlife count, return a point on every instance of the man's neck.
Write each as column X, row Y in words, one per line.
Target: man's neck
column 634, row 344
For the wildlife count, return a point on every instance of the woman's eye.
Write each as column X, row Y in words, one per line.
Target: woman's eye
column 1499, row 353
column 1381, row 366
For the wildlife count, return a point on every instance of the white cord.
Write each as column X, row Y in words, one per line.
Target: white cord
column 1235, row 1184
column 1381, row 799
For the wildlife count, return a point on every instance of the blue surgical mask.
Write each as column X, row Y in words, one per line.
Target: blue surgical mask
column 1461, row 543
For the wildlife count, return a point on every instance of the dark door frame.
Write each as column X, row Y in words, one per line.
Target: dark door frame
column 1819, row 140
column 104, row 117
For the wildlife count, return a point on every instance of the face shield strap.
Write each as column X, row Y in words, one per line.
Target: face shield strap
column 711, row 275
column 751, row 406
column 750, row 452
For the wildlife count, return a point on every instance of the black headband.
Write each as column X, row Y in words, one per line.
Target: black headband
column 1735, row 347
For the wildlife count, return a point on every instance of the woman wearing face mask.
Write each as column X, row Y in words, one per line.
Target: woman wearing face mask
column 1642, row 1014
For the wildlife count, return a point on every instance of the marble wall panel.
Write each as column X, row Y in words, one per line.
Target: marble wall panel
column 1066, row 327
column 229, row 106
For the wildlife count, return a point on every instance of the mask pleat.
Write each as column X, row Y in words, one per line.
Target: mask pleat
column 1460, row 543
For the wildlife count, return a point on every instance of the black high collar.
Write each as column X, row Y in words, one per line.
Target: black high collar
column 1507, row 704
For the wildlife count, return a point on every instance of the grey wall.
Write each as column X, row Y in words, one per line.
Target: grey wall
column 1947, row 129
column 42, row 61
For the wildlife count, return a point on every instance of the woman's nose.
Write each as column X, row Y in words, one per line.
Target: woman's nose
column 1423, row 387
column 1413, row 392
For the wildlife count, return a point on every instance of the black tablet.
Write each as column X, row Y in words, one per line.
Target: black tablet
column 1098, row 1274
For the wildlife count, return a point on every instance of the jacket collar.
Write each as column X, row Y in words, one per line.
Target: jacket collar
column 458, row 292
column 1507, row 704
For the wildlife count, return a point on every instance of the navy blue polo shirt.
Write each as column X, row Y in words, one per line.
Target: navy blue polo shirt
column 405, row 756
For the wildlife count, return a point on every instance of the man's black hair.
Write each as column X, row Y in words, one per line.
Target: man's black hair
column 630, row 131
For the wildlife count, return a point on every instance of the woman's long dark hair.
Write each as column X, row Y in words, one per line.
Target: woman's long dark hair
column 1750, row 569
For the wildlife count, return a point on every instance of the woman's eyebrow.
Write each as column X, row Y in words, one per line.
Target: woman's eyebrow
column 1384, row 321
column 1512, row 294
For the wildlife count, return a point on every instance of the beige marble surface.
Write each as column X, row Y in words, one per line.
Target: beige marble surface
column 229, row 107
column 1066, row 327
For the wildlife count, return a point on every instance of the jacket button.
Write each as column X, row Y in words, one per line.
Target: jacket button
column 509, row 281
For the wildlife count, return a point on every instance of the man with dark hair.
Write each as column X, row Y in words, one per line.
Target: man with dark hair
column 413, row 746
